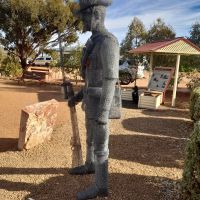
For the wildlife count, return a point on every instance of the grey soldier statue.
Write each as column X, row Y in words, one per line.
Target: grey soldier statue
column 100, row 71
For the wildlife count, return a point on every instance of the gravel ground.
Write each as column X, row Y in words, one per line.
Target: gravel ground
column 146, row 150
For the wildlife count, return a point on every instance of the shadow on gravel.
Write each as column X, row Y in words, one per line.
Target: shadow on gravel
column 8, row 144
column 167, row 113
column 160, row 142
column 65, row 186
column 58, row 185
column 178, row 128
column 148, row 150
column 31, row 171
column 129, row 104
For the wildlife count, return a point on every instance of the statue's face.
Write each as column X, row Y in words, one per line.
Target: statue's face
column 93, row 18
column 86, row 17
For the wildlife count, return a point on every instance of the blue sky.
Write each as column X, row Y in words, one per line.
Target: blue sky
column 180, row 14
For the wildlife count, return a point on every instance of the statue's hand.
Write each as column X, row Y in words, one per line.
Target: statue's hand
column 75, row 99
column 72, row 101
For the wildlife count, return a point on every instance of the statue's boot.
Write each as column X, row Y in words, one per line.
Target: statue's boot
column 83, row 170
column 100, row 188
column 88, row 167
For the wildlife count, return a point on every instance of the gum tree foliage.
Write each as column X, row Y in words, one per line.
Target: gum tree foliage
column 195, row 33
column 191, row 64
column 194, row 61
column 72, row 62
column 1, row 55
column 194, row 37
column 138, row 35
column 160, row 31
column 134, row 37
column 29, row 26
column 10, row 66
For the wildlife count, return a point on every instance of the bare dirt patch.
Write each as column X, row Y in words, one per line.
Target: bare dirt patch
column 146, row 150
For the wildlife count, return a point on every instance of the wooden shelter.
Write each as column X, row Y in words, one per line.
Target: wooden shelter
column 178, row 46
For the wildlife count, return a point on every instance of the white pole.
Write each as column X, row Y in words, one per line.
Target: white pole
column 176, row 80
column 150, row 68
column 61, row 56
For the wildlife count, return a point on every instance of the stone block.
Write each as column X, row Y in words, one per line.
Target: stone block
column 37, row 122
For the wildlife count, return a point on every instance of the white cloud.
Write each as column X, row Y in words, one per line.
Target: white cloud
column 118, row 23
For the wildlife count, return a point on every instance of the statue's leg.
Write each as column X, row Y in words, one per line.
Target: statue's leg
column 101, row 151
column 89, row 167
column 100, row 187
column 90, row 129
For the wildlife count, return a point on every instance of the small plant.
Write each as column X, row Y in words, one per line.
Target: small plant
column 191, row 174
column 194, row 80
column 195, row 104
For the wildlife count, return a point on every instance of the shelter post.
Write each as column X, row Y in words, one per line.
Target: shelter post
column 150, row 67
column 176, row 80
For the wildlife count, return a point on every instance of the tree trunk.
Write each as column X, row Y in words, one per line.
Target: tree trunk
column 23, row 63
column 24, row 66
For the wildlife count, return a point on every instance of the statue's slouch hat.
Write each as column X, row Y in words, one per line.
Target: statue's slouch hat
column 84, row 4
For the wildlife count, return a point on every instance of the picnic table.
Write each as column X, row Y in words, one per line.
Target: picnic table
column 35, row 73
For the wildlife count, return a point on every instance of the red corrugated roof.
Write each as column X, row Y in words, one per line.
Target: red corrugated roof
column 154, row 46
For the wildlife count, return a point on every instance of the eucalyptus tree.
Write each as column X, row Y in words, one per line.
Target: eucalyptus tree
column 134, row 37
column 29, row 26
column 191, row 64
column 195, row 33
column 160, row 31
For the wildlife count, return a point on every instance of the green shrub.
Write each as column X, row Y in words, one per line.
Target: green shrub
column 11, row 66
column 195, row 104
column 186, row 68
column 191, row 173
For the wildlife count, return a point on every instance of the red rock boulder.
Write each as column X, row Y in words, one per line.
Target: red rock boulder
column 37, row 123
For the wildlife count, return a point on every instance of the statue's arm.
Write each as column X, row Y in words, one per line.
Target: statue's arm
column 109, row 56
